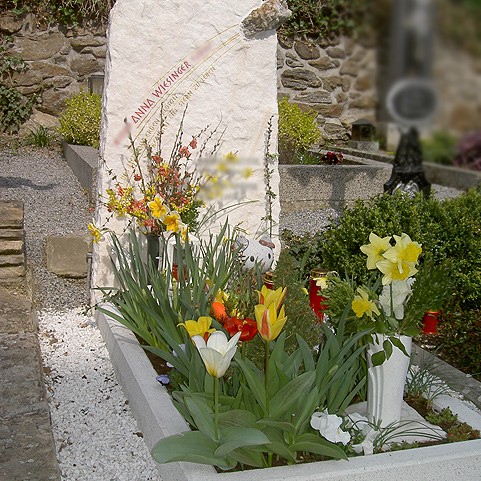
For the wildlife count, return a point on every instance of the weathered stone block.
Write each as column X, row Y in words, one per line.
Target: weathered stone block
column 11, row 215
column 331, row 83
column 350, row 67
column 324, row 63
column 292, row 61
column 81, row 41
column 11, row 246
column 318, row 97
column 67, row 256
column 11, row 260
column 12, row 274
column 336, row 52
column 10, row 24
column 300, row 79
column 41, row 47
column 85, row 65
column 307, row 50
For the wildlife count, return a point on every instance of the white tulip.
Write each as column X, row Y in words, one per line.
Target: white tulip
column 217, row 353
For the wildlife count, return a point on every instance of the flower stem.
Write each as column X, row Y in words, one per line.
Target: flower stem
column 266, row 375
column 216, row 408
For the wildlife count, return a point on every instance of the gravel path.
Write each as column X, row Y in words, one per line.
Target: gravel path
column 96, row 436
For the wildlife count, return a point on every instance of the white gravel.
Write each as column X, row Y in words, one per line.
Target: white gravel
column 95, row 434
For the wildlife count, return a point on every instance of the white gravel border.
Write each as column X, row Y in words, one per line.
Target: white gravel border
column 96, row 436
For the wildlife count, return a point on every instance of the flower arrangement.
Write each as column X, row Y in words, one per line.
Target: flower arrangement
column 241, row 412
column 164, row 193
column 396, row 295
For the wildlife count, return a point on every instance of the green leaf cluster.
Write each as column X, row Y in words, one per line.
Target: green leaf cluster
column 80, row 121
column 298, row 131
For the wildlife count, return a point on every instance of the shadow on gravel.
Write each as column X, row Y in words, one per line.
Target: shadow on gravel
column 13, row 182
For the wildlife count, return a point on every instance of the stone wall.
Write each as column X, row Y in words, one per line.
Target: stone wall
column 59, row 60
column 336, row 79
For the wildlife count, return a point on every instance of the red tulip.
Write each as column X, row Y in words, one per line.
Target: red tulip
column 247, row 327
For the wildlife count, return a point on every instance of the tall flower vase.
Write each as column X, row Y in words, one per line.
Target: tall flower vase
column 385, row 383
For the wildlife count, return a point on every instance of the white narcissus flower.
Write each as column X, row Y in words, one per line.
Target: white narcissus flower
column 401, row 290
column 217, row 353
column 366, row 446
column 329, row 425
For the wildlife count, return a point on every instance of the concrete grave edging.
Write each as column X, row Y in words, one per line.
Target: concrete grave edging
column 157, row 417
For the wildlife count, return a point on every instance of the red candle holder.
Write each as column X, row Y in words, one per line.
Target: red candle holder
column 316, row 300
column 430, row 322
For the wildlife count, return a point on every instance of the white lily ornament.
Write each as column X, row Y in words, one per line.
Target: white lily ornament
column 329, row 425
column 217, row 353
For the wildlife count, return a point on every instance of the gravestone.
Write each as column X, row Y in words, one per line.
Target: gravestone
column 212, row 64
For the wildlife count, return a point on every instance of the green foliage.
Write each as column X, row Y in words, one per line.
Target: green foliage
column 80, row 121
column 460, row 339
column 298, row 131
column 65, row 12
column 327, row 18
column 440, row 148
column 15, row 108
column 40, row 137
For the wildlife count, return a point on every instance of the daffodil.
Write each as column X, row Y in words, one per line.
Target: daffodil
column 157, row 207
column 217, row 352
column 375, row 249
column 404, row 252
column 95, row 231
column 172, row 222
column 392, row 272
column 201, row 327
column 269, row 321
column 362, row 305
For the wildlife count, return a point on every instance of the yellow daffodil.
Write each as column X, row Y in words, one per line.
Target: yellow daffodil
column 217, row 352
column 362, row 305
column 201, row 327
column 392, row 272
column 157, row 207
column 269, row 321
column 375, row 249
column 172, row 222
column 405, row 251
column 268, row 296
column 95, row 231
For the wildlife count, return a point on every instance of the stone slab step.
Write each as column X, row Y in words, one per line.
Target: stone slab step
column 11, row 247
column 16, row 315
column 11, row 260
column 11, row 234
column 12, row 274
column 11, row 215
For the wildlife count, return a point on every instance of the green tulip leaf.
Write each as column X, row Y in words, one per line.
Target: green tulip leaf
column 317, row 445
column 238, row 437
column 202, row 415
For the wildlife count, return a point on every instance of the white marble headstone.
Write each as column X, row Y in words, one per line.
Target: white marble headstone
column 215, row 58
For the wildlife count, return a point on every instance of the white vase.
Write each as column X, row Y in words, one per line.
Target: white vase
column 385, row 383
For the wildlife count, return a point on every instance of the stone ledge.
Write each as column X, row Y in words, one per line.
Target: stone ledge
column 157, row 417
column 84, row 162
column 11, row 215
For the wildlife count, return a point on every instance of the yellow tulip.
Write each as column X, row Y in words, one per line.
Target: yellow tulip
column 201, row 327
column 268, row 296
column 375, row 249
column 269, row 321
column 361, row 304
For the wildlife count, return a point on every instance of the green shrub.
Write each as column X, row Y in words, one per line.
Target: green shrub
column 298, row 131
column 440, row 148
column 448, row 230
column 460, row 339
column 80, row 121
